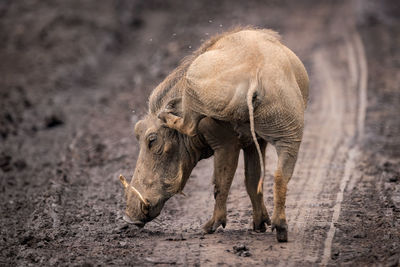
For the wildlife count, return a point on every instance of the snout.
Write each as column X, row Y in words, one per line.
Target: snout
column 138, row 223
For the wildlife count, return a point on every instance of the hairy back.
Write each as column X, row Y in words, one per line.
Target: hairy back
column 173, row 84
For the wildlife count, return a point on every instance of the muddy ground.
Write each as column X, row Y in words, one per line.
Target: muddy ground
column 76, row 75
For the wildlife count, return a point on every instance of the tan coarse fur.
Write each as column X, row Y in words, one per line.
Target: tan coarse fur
column 157, row 97
column 239, row 91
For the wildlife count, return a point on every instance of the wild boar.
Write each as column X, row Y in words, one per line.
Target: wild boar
column 239, row 91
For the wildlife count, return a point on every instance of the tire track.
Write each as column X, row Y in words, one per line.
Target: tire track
column 323, row 169
column 356, row 58
column 325, row 148
column 324, row 166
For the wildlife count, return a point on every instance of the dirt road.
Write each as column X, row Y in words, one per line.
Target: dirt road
column 76, row 77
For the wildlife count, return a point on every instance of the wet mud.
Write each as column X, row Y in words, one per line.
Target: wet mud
column 75, row 77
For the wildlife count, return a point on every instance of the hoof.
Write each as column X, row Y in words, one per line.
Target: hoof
column 212, row 225
column 281, row 232
column 259, row 228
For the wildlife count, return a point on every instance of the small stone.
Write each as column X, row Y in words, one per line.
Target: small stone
column 239, row 249
column 27, row 239
column 246, row 254
column 136, row 23
column 360, row 235
column 5, row 161
column 336, row 253
column 20, row 164
column 53, row 121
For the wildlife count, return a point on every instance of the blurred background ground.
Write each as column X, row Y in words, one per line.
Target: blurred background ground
column 75, row 77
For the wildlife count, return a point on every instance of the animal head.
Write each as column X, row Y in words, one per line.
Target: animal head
column 166, row 157
column 162, row 169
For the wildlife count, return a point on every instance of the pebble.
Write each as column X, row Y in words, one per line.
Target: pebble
column 241, row 250
column 53, row 121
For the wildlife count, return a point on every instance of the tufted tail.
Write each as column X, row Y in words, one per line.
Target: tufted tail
column 250, row 94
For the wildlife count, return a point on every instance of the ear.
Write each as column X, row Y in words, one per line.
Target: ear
column 174, row 106
column 171, row 112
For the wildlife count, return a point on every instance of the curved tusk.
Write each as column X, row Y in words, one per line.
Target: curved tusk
column 140, row 196
column 123, row 181
column 125, row 184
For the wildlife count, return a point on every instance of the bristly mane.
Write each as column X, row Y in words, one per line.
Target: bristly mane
column 159, row 95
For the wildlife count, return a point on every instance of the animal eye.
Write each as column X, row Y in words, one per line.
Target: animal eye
column 152, row 138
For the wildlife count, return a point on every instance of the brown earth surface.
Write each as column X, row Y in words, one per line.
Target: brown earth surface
column 76, row 75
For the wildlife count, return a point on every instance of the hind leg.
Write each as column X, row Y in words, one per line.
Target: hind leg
column 252, row 176
column 287, row 156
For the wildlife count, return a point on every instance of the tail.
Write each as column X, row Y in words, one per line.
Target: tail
column 250, row 94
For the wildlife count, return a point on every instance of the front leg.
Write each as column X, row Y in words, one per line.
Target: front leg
column 225, row 164
column 222, row 139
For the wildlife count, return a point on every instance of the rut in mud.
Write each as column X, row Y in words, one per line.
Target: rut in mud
column 76, row 77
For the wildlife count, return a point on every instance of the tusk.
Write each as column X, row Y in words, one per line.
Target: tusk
column 123, row 181
column 140, row 196
column 183, row 194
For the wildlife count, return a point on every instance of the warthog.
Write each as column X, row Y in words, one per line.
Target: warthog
column 239, row 90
